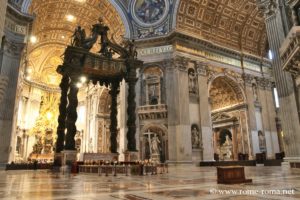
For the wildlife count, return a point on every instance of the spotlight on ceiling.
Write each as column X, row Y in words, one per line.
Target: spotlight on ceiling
column 70, row 18
column 83, row 79
column 33, row 39
column 78, row 85
column 29, row 70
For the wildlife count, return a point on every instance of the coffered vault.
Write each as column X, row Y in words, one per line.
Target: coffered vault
column 236, row 24
column 53, row 28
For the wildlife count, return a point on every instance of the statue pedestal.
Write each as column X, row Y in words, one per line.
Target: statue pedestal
column 131, row 156
column 155, row 158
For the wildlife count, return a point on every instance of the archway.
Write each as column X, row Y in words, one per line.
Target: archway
column 104, row 122
column 149, row 132
column 229, row 115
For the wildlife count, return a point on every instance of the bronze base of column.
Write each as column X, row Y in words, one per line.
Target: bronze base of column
column 131, row 156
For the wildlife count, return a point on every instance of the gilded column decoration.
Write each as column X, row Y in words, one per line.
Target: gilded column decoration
column 71, row 117
column 269, row 7
column 64, row 86
column 113, row 117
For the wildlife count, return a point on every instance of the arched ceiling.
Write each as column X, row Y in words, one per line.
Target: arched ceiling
column 236, row 24
column 224, row 92
column 54, row 26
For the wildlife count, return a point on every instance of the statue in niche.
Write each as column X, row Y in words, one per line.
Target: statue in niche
column 228, row 141
column 262, row 141
column 195, row 138
column 254, row 90
column 226, row 145
column 90, row 146
column 155, row 144
column 153, row 94
column 192, row 81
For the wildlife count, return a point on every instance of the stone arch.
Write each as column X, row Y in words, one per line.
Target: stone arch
column 103, row 121
column 152, row 83
column 225, row 91
column 159, row 126
column 104, row 102
column 147, row 133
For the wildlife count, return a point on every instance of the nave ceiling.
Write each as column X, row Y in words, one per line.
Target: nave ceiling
column 54, row 25
column 233, row 24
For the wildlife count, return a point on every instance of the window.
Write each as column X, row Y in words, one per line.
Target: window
column 270, row 55
column 276, row 97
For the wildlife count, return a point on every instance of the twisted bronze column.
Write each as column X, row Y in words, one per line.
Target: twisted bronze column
column 71, row 116
column 131, row 145
column 64, row 86
column 113, row 117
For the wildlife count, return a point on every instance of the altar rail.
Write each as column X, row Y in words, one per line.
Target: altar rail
column 28, row 166
column 124, row 169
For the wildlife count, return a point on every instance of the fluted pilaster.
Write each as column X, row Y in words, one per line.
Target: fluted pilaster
column 284, row 82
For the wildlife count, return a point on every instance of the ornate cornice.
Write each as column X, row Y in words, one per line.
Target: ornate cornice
column 290, row 51
column 13, row 48
column 268, row 7
column 175, row 37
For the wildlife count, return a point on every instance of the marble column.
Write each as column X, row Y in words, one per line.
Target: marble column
column 10, row 69
column 205, row 113
column 179, row 131
column 284, row 82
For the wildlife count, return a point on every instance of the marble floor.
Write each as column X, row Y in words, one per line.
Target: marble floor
column 182, row 183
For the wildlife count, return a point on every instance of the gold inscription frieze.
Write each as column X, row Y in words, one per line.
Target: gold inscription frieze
column 155, row 50
column 217, row 57
column 12, row 26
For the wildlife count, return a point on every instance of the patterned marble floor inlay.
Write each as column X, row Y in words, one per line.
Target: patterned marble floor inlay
column 182, row 183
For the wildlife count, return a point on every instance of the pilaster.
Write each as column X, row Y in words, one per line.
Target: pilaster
column 284, row 82
column 205, row 113
column 179, row 132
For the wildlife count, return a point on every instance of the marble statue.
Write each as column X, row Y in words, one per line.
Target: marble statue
column 90, row 147
column 261, row 141
column 226, row 149
column 195, row 138
column 254, row 90
column 155, row 145
column 78, row 37
column 192, row 81
column 228, row 141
